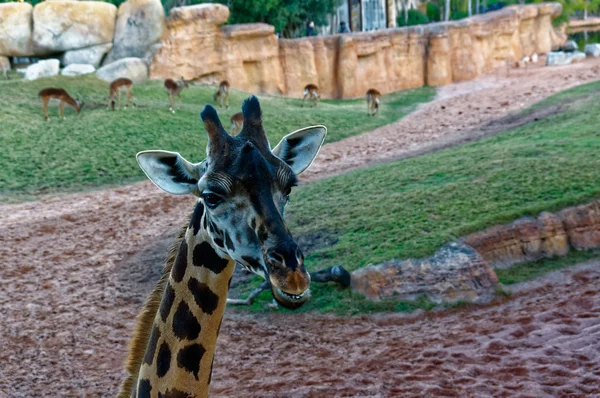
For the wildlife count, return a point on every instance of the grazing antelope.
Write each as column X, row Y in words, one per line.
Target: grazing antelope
column 237, row 123
column 62, row 97
column 222, row 94
column 311, row 91
column 373, row 101
column 116, row 87
column 174, row 89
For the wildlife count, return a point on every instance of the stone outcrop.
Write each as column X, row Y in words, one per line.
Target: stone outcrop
column 78, row 70
column 140, row 24
column 67, row 25
column 582, row 225
column 15, row 29
column 456, row 272
column 559, row 58
column 545, row 236
column 191, row 45
column 90, row 55
column 135, row 69
column 46, row 68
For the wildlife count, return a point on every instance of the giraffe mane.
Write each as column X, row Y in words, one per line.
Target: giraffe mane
column 145, row 320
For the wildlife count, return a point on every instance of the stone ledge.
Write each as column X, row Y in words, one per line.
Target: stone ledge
column 247, row 30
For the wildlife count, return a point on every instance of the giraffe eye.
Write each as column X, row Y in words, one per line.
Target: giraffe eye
column 211, row 200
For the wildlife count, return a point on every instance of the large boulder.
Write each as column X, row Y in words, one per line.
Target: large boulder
column 90, row 55
column 135, row 69
column 67, row 25
column 15, row 29
column 592, row 50
column 559, row 58
column 78, row 70
column 140, row 24
column 46, row 68
column 456, row 272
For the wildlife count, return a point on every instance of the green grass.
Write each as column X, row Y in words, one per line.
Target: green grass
column 412, row 207
column 98, row 146
column 530, row 270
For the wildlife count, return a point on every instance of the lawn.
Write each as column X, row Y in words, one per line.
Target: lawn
column 98, row 146
column 412, row 207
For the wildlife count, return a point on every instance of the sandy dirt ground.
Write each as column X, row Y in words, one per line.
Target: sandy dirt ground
column 76, row 269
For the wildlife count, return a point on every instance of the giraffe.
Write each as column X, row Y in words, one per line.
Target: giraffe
column 242, row 188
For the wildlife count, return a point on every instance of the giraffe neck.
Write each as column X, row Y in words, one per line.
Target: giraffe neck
column 179, row 355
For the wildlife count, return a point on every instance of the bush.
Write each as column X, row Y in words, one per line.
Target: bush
column 414, row 18
column 434, row 12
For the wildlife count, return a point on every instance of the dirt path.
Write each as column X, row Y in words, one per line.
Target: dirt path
column 70, row 292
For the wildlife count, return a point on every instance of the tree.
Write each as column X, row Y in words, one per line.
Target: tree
column 289, row 17
column 447, row 10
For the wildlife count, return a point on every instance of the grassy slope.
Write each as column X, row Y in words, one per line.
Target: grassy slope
column 410, row 208
column 99, row 146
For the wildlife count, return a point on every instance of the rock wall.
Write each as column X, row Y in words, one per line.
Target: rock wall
column 191, row 42
column 346, row 66
column 463, row 271
column 545, row 236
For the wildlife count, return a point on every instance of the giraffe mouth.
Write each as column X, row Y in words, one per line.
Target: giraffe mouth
column 293, row 297
column 288, row 300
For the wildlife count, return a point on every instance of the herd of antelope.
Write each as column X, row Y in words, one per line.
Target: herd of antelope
column 174, row 88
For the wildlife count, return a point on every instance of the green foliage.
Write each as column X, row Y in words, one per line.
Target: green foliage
column 434, row 13
column 290, row 17
column 98, row 146
column 415, row 17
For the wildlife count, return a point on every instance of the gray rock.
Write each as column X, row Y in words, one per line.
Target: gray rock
column 570, row 46
column 592, row 50
column 559, row 58
column 89, row 55
column 140, row 24
column 46, row 68
column 69, row 25
column 132, row 68
column 78, row 70
column 456, row 272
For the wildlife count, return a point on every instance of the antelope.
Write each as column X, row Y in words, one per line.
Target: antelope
column 373, row 101
column 222, row 94
column 62, row 97
column 311, row 91
column 116, row 87
column 174, row 89
column 237, row 123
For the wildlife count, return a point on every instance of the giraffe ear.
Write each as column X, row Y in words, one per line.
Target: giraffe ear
column 171, row 172
column 299, row 149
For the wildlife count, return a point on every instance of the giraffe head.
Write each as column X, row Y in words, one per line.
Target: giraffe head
column 244, row 186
